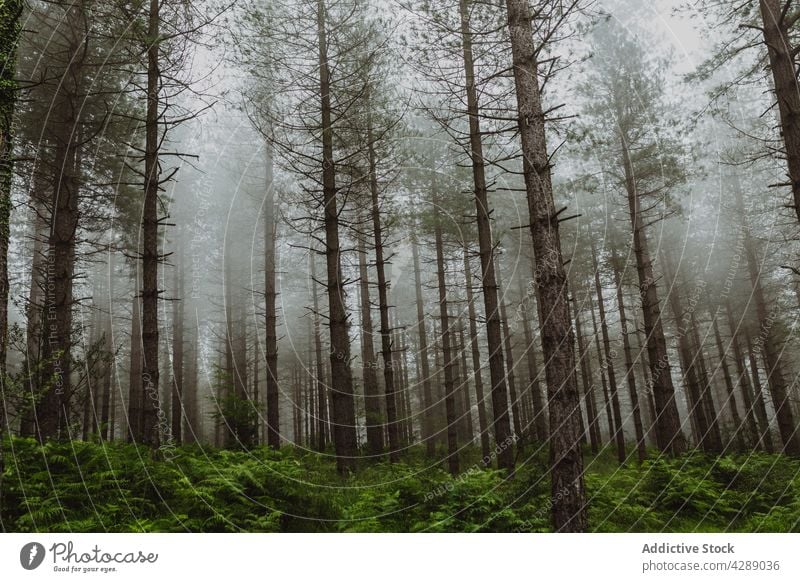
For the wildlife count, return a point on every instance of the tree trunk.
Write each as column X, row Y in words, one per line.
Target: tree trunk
column 766, row 343
column 706, row 396
column 150, row 222
column 343, row 410
column 781, row 51
column 510, row 377
column 483, row 424
column 34, row 331
column 618, row 435
column 629, row 371
column 372, row 404
column 569, row 511
column 600, row 358
column 501, row 423
column 468, row 428
column 765, row 434
column 742, row 380
column 449, row 388
column 321, row 384
column 540, row 415
column 586, row 377
column 193, row 431
column 392, row 423
column 177, row 350
column 428, row 404
column 697, row 411
column 668, row 424
column 738, row 425
column 271, row 317
column 135, row 375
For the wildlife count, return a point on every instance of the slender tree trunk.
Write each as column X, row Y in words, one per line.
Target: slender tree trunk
column 766, row 343
column 150, row 222
column 483, row 424
column 688, row 360
column 177, row 350
column 618, row 436
column 401, row 413
column 738, row 425
column 629, row 371
column 781, row 50
column 449, row 388
column 540, row 416
column 109, row 352
column 765, row 434
column 668, row 424
column 372, row 405
column 469, row 429
column 409, row 423
column 569, row 511
column 586, row 377
column 135, row 376
column 600, row 358
column 392, row 422
column 321, row 384
column 510, row 377
column 501, row 423
column 343, row 409
column 742, row 380
column 193, row 431
column 271, row 316
column 35, row 348
column 714, row 434
column 427, row 397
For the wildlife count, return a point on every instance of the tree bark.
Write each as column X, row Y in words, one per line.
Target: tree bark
column 428, row 404
column 372, row 405
column 392, row 422
column 135, row 371
column 271, row 316
column 494, row 337
column 150, row 254
column 781, row 52
column 449, row 388
column 483, row 424
column 569, row 511
column 765, row 342
column 599, row 350
column 668, row 425
column 510, row 377
column 586, row 377
column 765, row 434
column 608, row 363
column 321, row 384
column 730, row 389
column 177, row 350
column 468, row 428
column 742, row 380
column 343, row 409
column 641, row 449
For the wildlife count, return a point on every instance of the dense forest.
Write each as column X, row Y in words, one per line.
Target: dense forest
column 410, row 265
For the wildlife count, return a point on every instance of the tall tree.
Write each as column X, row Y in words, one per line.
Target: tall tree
column 558, row 342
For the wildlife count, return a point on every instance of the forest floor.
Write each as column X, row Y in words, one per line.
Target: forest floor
column 88, row 487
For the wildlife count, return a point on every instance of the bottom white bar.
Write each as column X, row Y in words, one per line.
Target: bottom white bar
column 399, row 557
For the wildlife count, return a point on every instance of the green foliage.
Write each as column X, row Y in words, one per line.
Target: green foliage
column 86, row 487
column 754, row 492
